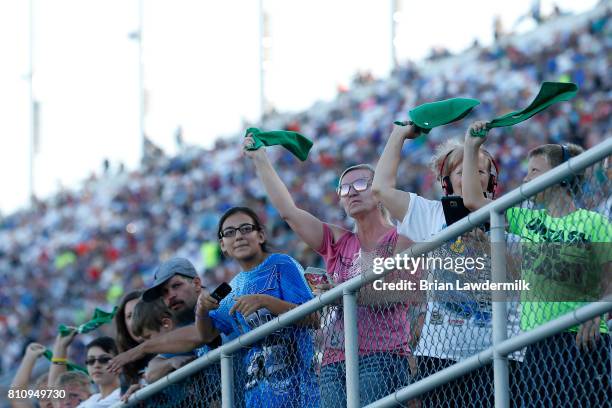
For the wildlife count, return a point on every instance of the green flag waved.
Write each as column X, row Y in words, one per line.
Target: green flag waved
column 70, row 366
column 549, row 94
column 294, row 142
column 99, row 318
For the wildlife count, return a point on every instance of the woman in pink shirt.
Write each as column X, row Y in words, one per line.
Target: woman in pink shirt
column 384, row 317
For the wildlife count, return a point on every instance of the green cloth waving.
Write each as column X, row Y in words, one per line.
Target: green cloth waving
column 70, row 366
column 98, row 319
column 294, row 142
column 433, row 114
column 550, row 93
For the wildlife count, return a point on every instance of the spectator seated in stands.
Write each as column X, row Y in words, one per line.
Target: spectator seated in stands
column 177, row 286
column 126, row 339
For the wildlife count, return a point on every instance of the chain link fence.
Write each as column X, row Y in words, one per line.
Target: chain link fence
column 556, row 241
column 202, row 389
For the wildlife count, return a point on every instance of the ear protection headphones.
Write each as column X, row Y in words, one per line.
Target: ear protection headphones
column 491, row 185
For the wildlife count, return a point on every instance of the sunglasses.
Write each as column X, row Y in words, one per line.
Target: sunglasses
column 102, row 360
column 244, row 229
column 358, row 185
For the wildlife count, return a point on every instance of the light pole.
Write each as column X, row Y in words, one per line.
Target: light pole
column 34, row 108
column 396, row 17
column 137, row 36
column 265, row 43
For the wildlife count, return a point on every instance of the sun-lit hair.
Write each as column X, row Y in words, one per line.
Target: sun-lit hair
column 385, row 213
column 451, row 152
column 553, row 153
column 364, row 166
column 76, row 378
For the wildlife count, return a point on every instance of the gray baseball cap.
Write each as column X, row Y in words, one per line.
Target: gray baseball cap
column 165, row 271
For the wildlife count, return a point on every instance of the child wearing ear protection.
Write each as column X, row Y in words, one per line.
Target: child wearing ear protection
column 457, row 323
column 149, row 320
column 567, row 260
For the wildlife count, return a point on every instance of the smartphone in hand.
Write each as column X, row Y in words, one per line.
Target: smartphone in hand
column 455, row 210
column 221, row 292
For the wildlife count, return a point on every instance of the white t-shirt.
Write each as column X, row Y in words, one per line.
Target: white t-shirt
column 457, row 325
column 96, row 400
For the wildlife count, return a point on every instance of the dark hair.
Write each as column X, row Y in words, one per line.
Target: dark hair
column 126, row 342
column 250, row 213
column 105, row 343
column 124, row 339
column 149, row 315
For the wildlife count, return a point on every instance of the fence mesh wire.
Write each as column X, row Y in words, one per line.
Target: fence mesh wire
column 557, row 241
column 202, row 389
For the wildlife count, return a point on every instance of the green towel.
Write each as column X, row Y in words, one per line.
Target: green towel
column 433, row 114
column 294, row 142
column 550, row 93
column 98, row 319
column 70, row 366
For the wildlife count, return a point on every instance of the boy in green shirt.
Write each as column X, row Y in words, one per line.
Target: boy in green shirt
column 567, row 261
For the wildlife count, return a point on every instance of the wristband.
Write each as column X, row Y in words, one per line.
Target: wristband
column 59, row 360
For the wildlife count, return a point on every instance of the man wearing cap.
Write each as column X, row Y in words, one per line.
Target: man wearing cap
column 177, row 282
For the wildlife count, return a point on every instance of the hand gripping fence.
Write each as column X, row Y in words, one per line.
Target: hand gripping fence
column 413, row 390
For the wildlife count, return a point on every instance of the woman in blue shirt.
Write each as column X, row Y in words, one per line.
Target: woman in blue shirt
column 279, row 370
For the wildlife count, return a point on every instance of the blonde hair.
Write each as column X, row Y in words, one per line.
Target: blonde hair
column 73, row 377
column 385, row 213
column 450, row 153
column 364, row 166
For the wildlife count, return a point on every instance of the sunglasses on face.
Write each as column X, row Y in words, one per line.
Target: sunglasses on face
column 244, row 229
column 358, row 185
column 102, row 360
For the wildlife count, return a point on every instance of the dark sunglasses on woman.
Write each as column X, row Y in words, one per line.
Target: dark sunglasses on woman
column 102, row 360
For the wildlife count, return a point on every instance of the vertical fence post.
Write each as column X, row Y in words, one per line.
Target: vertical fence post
column 351, row 348
column 500, row 316
column 227, row 381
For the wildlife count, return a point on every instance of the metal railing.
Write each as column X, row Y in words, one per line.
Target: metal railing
column 502, row 347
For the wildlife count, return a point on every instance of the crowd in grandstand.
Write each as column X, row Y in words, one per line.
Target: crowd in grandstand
column 84, row 249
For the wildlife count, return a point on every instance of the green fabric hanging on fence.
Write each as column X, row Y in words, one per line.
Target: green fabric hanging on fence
column 550, row 93
column 294, row 142
column 69, row 366
column 98, row 319
column 430, row 115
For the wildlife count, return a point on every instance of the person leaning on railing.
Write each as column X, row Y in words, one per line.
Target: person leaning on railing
column 457, row 323
column 384, row 318
column 132, row 373
column 567, row 260
column 178, row 285
column 279, row 370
